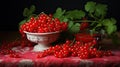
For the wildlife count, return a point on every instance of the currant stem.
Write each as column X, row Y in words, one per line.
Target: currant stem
column 72, row 42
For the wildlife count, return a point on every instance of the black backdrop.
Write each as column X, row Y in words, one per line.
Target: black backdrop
column 11, row 10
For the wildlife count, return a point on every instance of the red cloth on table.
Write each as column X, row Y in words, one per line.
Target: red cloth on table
column 28, row 59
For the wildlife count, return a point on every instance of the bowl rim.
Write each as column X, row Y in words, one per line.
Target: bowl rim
column 31, row 33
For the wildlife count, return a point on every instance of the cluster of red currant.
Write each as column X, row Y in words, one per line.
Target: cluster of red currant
column 23, row 42
column 10, row 52
column 6, row 47
column 42, row 24
column 77, row 49
column 7, row 51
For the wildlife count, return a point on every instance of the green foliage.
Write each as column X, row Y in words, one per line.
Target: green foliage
column 59, row 12
column 32, row 9
column 107, row 22
column 70, row 24
column 75, row 14
column 75, row 28
column 90, row 6
column 27, row 13
column 96, row 9
column 93, row 10
column 100, row 10
column 110, row 25
column 68, row 16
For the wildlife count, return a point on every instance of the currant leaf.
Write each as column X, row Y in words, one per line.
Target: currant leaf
column 63, row 18
column 32, row 8
column 25, row 12
column 110, row 25
column 100, row 10
column 70, row 24
column 75, row 14
column 90, row 6
column 107, row 22
column 75, row 28
column 59, row 12
column 113, row 20
column 111, row 28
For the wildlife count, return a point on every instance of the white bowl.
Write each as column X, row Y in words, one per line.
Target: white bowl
column 43, row 39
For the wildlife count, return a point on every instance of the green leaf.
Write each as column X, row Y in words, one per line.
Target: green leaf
column 63, row 18
column 70, row 24
column 31, row 11
column 25, row 12
column 110, row 29
column 90, row 6
column 75, row 14
column 113, row 20
column 32, row 8
column 110, row 25
column 100, row 10
column 107, row 22
column 59, row 12
column 28, row 12
column 75, row 28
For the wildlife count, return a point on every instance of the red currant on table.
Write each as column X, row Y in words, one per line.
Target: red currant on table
column 77, row 49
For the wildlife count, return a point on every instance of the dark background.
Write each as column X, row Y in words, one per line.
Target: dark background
column 11, row 10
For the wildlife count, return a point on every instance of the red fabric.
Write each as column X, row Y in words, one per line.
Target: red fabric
column 29, row 59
